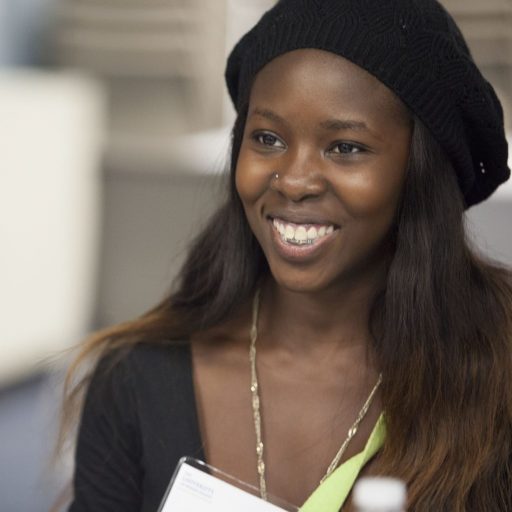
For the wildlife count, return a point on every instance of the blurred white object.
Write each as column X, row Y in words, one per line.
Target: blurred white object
column 162, row 60
column 504, row 191
column 241, row 16
column 488, row 223
column 51, row 133
column 378, row 494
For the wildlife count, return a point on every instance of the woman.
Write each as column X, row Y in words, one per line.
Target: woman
column 332, row 310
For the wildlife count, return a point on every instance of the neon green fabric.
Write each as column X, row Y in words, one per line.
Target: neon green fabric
column 330, row 495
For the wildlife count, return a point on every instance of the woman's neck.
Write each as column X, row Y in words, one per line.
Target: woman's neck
column 306, row 322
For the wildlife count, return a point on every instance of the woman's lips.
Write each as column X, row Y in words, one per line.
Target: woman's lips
column 300, row 242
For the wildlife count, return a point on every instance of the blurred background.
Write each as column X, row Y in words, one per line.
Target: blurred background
column 114, row 134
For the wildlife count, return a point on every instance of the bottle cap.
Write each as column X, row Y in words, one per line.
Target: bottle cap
column 380, row 493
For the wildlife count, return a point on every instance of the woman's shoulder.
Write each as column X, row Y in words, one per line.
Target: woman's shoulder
column 143, row 354
column 157, row 356
column 139, row 418
column 144, row 368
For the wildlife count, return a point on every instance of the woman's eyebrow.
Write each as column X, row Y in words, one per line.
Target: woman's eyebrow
column 348, row 124
column 329, row 124
column 344, row 124
column 267, row 114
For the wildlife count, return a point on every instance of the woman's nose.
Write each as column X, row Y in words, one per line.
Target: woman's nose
column 298, row 182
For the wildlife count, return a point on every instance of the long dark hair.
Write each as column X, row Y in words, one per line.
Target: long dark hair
column 444, row 344
column 442, row 333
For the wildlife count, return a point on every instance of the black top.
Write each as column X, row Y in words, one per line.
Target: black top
column 139, row 419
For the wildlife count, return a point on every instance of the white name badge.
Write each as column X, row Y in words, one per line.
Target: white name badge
column 197, row 487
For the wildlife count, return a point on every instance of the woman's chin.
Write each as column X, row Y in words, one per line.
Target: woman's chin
column 300, row 282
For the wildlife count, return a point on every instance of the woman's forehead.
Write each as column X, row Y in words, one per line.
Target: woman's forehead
column 326, row 82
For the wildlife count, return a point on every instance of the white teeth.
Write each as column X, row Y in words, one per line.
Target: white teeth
column 289, row 232
column 312, row 233
column 300, row 234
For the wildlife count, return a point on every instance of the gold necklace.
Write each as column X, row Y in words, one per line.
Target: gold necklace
column 257, row 415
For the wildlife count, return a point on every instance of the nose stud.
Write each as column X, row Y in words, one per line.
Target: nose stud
column 274, row 181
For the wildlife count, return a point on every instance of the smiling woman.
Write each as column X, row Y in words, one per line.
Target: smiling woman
column 339, row 140
column 331, row 321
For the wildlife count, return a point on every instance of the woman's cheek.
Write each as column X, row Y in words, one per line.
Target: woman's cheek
column 369, row 193
column 251, row 178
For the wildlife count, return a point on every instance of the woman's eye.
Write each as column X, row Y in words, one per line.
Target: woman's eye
column 269, row 140
column 346, row 148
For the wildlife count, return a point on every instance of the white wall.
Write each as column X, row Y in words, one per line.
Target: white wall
column 51, row 134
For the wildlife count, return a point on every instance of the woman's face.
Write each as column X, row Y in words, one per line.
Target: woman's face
column 321, row 168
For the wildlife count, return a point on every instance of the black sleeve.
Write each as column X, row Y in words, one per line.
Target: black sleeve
column 108, row 473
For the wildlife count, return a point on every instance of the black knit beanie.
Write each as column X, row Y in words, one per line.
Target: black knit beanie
column 412, row 46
